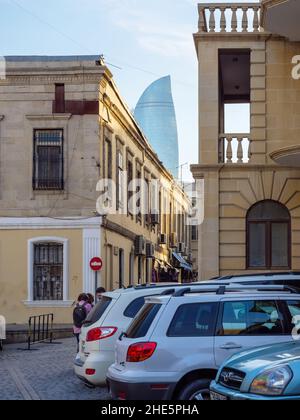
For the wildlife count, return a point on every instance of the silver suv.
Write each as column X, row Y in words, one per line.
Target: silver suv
column 175, row 345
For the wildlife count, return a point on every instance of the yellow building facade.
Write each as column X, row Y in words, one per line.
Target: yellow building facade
column 252, row 179
column 64, row 127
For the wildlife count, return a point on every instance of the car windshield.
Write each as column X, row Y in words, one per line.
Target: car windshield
column 97, row 312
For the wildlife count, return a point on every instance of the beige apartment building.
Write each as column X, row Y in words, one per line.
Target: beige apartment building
column 153, row 245
column 248, row 57
column 63, row 127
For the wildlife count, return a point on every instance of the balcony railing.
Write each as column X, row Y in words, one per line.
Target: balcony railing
column 234, row 148
column 229, row 18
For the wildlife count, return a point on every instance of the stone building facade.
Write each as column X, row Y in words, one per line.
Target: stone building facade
column 57, row 115
column 252, row 179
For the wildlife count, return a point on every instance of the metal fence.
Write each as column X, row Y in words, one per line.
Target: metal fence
column 40, row 329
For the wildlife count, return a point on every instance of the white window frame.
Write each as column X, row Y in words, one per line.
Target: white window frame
column 30, row 273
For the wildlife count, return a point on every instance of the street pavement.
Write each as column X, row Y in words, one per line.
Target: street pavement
column 43, row 374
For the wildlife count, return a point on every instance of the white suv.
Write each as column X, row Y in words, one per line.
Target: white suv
column 110, row 317
column 174, row 347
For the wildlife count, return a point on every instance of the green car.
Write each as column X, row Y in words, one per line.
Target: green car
column 265, row 373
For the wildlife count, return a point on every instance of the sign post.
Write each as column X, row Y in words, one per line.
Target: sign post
column 96, row 265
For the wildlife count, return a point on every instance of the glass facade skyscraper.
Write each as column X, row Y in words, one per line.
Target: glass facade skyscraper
column 155, row 113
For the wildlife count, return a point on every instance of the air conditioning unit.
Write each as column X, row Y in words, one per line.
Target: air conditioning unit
column 163, row 239
column 140, row 245
column 181, row 248
column 154, row 219
column 150, row 250
column 173, row 240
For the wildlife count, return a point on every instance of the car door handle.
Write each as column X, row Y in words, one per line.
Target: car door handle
column 231, row 346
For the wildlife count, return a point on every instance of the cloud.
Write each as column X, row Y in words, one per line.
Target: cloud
column 153, row 33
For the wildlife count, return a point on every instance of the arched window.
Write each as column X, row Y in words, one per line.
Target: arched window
column 268, row 236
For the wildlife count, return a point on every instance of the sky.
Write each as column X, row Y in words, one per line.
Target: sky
column 142, row 40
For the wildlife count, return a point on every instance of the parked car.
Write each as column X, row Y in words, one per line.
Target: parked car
column 175, row 346
column 104, row 324
column 266, row 373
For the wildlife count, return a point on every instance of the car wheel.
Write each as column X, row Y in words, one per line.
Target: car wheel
column 196, row 391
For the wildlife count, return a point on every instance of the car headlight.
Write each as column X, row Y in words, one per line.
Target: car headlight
column 272, row 382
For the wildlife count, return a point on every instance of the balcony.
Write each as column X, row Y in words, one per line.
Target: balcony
column 281, row 17
column 288, row 156
column 234, row 148
column 229, row 18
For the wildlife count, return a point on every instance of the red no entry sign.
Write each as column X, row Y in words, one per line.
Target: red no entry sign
column 96, row 264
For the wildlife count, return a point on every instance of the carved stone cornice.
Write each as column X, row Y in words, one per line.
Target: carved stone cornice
column 12, row 79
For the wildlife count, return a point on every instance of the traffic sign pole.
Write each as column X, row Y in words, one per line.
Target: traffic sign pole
column 96, row 283
column 96, row 265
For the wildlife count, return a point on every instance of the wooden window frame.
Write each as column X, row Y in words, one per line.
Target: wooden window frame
column 268, row 240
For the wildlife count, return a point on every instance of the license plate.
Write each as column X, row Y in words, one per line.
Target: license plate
column 214, row 396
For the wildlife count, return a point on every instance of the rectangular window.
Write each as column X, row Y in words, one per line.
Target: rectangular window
column 108, row 160
column 194, row 320
column 257, row 243
column 140, row 270
column 129, row 183
column 194, row 233
column 48, row 161
column 139, row 192
column 48, row 272
column 255, row 318
column 147, row 201
column 120, row 180
column 59, row 98
column 280, row 241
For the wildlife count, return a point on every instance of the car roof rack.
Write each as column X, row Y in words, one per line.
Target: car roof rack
column 278, row 273
column 222, row 289
column 166, row 285
column 172, row 290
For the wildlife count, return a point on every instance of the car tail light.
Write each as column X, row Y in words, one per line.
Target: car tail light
column 140, row 352
column 122, row 396
column 90, row 372
column 100, row 333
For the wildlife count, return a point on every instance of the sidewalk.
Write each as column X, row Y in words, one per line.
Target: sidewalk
column 19, row 333
column 43, row 374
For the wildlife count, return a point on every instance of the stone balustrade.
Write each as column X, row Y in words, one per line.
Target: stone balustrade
column 234, row 148
column 229, row 18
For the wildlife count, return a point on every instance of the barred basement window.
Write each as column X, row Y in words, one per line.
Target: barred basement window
column 48, row 272
column 48, row 173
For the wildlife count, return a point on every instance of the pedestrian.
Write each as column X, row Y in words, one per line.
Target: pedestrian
column 81, row 310
column 99, row 293
column 91, row 299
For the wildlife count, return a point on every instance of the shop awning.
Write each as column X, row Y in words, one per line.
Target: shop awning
column 183, row 263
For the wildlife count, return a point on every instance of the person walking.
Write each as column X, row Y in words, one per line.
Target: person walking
column 81, row 310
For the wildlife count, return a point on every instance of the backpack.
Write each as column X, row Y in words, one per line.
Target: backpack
column 79, row 315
